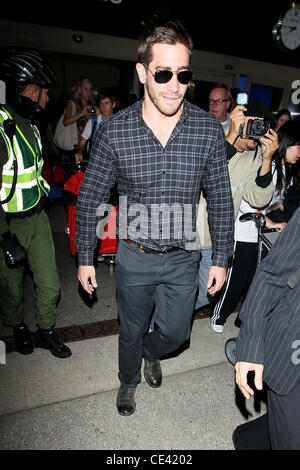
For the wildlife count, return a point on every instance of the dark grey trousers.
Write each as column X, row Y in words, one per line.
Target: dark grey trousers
column 167, row 280
column 284, row 419
column 278, row 429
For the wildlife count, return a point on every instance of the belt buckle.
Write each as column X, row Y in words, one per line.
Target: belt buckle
column 141, row 248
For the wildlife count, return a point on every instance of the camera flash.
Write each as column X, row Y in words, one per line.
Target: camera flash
column 242, row 99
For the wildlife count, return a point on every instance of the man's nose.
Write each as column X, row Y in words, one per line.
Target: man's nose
column 173, row 84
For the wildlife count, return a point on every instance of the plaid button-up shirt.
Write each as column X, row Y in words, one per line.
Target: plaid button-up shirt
column 159, row 186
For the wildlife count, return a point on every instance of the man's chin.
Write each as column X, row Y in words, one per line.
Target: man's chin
column 171, row 109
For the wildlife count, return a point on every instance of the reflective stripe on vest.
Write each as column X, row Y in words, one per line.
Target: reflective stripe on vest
column 30, row 184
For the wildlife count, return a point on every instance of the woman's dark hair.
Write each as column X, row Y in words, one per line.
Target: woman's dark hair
column 165, row 32
column 288, row 136
column 281, row 112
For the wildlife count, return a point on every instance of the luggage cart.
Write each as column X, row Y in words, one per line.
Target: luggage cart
column 108, row 244
column 265, row 239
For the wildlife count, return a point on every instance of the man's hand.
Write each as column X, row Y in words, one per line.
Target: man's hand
column 241, row 373
column 216, row 279
column 78, row 157
column 87, row 278
column 269, row 145
column 279, row 226
column 237, row 119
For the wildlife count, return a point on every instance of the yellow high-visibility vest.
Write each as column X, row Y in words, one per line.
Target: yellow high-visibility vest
column 30, row 185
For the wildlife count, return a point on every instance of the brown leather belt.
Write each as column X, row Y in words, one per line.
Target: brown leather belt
column 145, row 249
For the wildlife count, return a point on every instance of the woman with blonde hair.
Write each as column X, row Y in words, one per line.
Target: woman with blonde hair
column 83, row 100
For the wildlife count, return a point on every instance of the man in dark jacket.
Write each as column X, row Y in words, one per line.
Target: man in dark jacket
column 269, row 339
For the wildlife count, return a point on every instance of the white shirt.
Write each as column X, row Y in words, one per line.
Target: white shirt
column 88, row 127
column 226, row 123
column 247, row 231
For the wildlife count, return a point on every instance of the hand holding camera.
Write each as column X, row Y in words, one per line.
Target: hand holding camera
column 252, row 128
column 269, row 145
column 88, row 110
column 237, row 119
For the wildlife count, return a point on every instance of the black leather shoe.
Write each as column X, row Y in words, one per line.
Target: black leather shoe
column 152, row 373
column 23, row 342
column 126, row 401
column 50, row 341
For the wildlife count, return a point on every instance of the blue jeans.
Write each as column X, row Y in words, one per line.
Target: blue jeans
column 204, row 267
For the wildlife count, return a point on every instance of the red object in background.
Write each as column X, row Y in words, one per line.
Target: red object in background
column 53, row 174
column 73, row 183
column 109, row 241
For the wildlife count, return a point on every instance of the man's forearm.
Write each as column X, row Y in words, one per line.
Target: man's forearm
column 265, row 167
column 80, row 145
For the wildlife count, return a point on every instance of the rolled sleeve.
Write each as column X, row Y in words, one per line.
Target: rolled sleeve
column 94, row 190
column 219, row 203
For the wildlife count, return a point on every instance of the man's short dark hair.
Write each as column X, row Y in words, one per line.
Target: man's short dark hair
column 106, row 93
column 259, row 109
column 167, row 32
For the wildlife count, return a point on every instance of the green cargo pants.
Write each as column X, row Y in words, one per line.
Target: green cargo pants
column 34, row 233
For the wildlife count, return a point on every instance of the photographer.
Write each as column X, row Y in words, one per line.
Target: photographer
column 241, row 273
column 25, row 233
column 83, row 100
column 244, row 126
column 249, row 165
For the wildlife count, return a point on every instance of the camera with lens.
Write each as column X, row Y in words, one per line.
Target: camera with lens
column 92, row 110
column 256, row 128
column 14, row 253
column 253, row 128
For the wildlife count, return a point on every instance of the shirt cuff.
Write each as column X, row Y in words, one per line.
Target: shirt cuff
column 220, row 260
column 245, row 352
column 263, row 181
column 85, row 258
column 231, row 150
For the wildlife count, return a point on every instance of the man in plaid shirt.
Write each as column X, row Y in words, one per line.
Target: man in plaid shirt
column 162, row 150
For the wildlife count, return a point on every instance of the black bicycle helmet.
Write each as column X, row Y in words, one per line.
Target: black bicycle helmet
column 26, row 67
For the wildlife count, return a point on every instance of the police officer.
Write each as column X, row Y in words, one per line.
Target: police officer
column 24, row 226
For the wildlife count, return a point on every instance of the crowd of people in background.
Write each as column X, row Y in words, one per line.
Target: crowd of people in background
column 87, row 100
column 91, row 105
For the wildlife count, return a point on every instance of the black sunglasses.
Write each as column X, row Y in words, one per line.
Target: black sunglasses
column 164, row 76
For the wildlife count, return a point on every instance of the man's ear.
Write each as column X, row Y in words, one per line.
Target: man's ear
column 141, row 71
